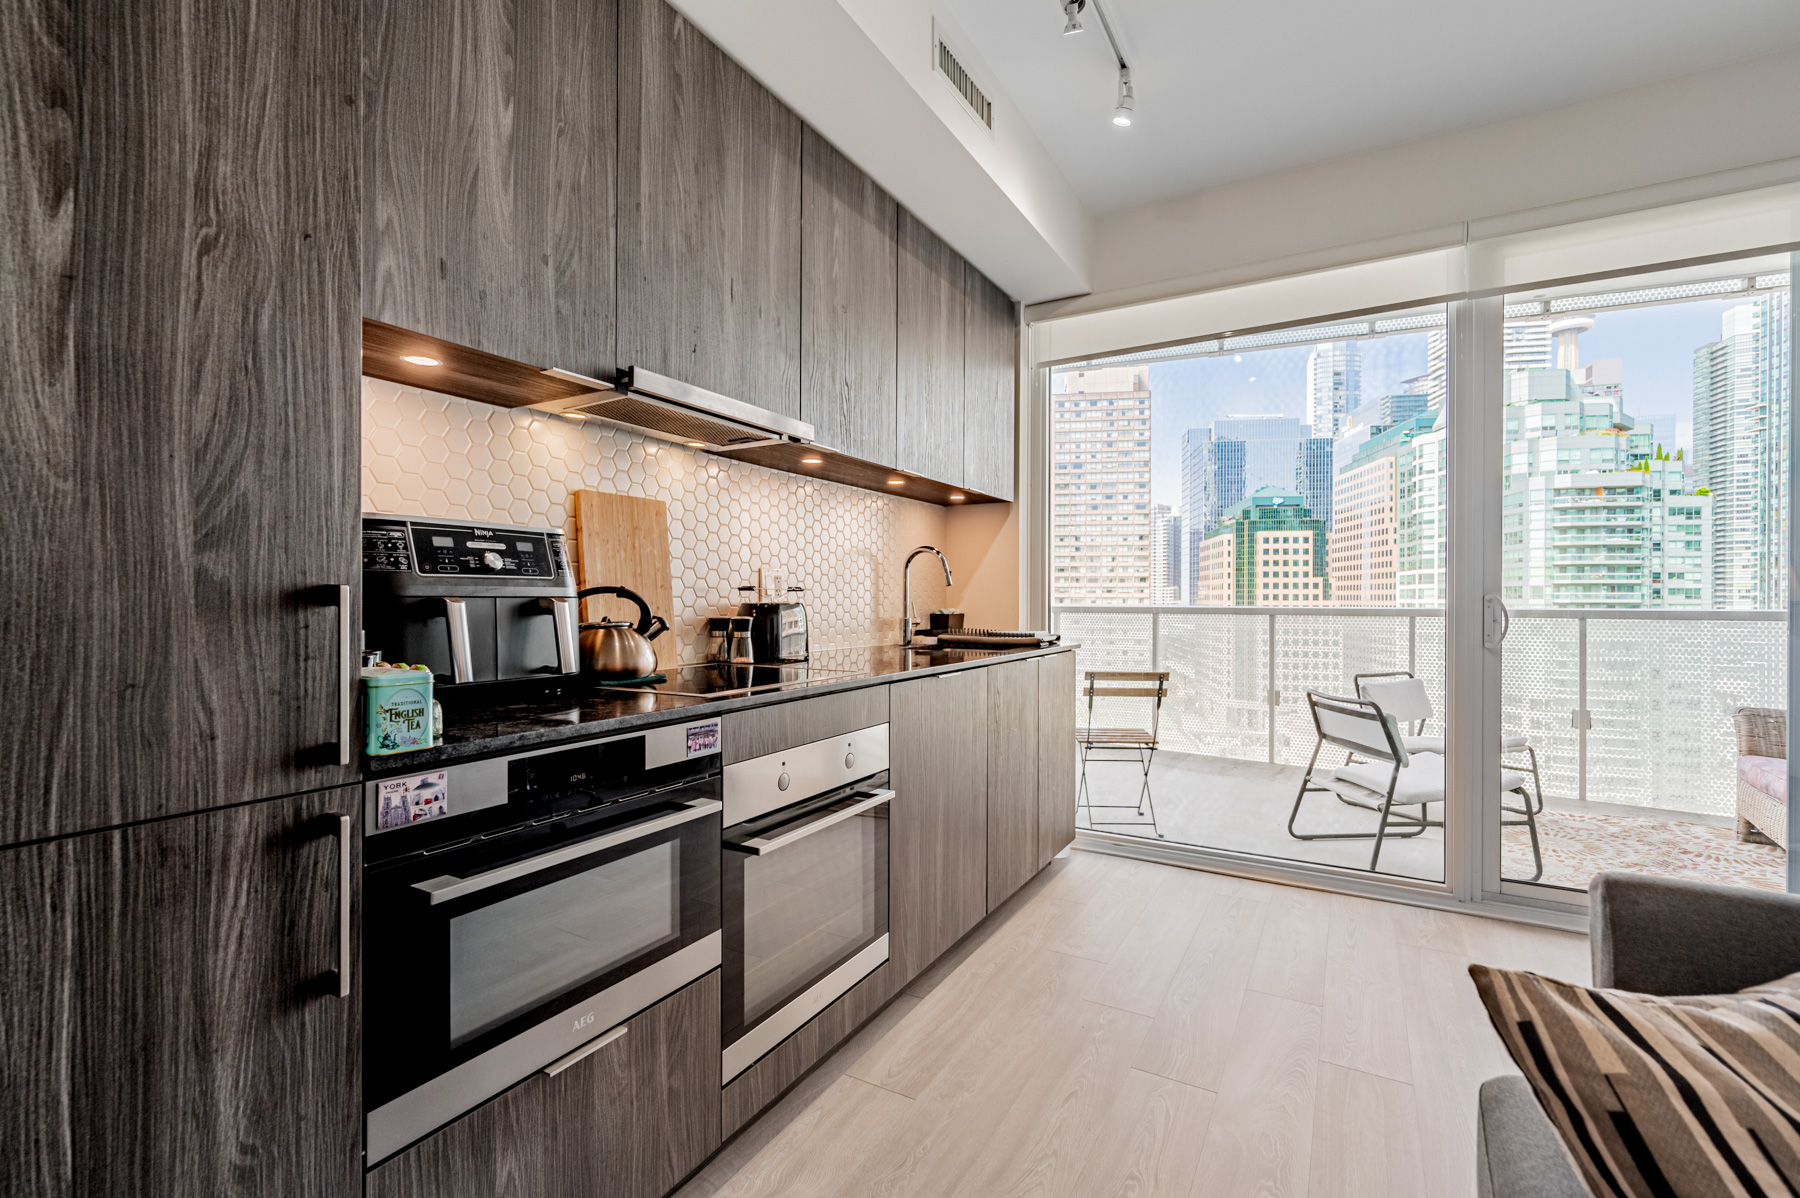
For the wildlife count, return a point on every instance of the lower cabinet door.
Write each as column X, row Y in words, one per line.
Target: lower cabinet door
column 629, row 1120
column 170, row 1010
column 1013, row 838
column 938, row 823
column 1056, row 754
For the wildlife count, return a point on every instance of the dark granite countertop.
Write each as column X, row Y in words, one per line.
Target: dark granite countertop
column 483, row 730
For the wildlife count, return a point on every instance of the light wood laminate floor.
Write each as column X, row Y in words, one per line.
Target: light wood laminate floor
column 1125, row 1028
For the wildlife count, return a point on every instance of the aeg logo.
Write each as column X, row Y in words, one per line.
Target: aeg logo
column 582, row 1021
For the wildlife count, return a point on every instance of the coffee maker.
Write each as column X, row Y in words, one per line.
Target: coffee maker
column 480, row 604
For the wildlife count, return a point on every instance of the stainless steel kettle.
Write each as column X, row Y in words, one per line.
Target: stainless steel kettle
column 616, row 650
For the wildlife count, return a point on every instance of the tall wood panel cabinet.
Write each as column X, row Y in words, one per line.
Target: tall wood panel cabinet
column 937, row 849
column 1013, row 750
column 490, row 130
column 709, row 215
column 989, row 403
column 848, row 351
column 182, row 423
column 171, row 1022
column 1056, row 754
column 933, row 321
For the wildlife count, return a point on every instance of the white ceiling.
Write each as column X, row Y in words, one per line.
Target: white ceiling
column 1231, row 91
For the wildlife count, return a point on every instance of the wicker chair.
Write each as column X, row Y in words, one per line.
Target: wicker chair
column 1761, row 785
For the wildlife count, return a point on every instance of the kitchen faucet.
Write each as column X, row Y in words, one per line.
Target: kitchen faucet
column 907, row 622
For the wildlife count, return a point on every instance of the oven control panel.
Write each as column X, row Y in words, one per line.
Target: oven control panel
column 448, row 550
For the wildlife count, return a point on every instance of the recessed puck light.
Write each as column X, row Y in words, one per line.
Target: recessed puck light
column 420, row 360
column 695, row 444
column 896, row 482
column 812, row 460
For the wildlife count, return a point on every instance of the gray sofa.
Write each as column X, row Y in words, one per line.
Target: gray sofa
column 1655, row 936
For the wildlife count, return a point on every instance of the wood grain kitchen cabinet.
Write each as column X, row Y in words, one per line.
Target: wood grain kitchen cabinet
column 937, row 846
column 990, row 369
column 769, row 729
column 1013, row 751
column 489, row 139
column 1056, row 754
column 172, row 1022
column 932, row 328
column 183, row 425
column 709, row 215
column 848, row 346
column 629, row 1121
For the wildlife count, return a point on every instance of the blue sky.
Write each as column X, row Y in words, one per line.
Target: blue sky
column 1656, row 344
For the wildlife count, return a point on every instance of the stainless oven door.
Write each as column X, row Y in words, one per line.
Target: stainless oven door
column 489, row 961
column 805, row 898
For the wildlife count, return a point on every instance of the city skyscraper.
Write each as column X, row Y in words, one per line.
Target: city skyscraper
column 1740, row 454
column 1267, row 550
column 1365, row 532
column 1100, row 486
column 1333, row 385
column 1591, row 514
column 1435, row 382
column 1313, row 475
column 1526, row 345
column 1165, row 555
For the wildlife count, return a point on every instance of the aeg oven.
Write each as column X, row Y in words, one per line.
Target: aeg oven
column 518, row 908
column 805, row 886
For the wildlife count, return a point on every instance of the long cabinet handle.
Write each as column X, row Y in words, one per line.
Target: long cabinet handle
column 347, row 671
column 343, row 978
column 448, row 887
column 587, row 1050
column 759, row 846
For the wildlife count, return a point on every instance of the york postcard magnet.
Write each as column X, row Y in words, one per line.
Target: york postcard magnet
column 702, row 739
column 403, row 801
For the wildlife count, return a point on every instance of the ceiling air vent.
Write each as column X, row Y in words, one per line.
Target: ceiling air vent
column 946, row 61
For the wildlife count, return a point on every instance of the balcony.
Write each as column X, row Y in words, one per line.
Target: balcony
column 1629, row 713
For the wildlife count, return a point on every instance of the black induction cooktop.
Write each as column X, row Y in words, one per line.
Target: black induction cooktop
column 714, row 679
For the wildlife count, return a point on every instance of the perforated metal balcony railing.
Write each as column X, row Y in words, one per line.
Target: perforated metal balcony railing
column 1622, row 706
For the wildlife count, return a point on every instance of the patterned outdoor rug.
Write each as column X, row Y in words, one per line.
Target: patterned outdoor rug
column 1578, row 845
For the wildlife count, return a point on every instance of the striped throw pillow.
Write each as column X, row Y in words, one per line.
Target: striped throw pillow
column 1687, row 1097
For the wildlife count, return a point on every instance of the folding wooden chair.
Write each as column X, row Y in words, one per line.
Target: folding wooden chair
column 1135, row 744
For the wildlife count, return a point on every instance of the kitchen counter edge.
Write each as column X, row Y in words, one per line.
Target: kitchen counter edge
column 531, row 733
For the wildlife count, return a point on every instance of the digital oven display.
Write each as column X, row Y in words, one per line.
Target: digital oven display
column 482, row 552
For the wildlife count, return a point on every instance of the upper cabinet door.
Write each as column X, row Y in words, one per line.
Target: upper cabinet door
column 847, row 306
column 181, row 440
column 488, row 201
column 989, row 388
column 932, row 319
column 709, row 215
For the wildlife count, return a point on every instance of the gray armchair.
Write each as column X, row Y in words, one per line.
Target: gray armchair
column 1655, row 936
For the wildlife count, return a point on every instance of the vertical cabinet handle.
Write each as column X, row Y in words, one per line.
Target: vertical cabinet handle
column 343, row 970
column 462, row 661
column 347, row 672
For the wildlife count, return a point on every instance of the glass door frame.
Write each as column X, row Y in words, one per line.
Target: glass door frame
column 1474, row 665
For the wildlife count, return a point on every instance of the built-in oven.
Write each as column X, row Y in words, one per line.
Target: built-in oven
column 805, row 886
column 516, row 909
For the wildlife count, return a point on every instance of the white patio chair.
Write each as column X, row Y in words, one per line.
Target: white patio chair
column 1404, row 697
column 1391, row 777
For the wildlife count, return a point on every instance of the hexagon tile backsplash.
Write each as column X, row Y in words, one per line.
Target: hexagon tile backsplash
column 426, row 454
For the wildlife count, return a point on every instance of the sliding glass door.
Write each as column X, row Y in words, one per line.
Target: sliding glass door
column 1643, row 524
column 1251, row 525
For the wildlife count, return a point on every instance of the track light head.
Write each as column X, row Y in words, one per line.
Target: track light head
column 1070, row 10
column 1127, row 102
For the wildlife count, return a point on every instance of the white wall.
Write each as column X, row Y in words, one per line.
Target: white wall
column 1418, row 196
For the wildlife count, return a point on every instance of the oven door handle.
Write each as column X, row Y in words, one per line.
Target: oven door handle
column 759, row 846
column 443, row 889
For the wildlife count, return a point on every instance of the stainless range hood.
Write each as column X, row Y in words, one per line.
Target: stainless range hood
column 660, row 406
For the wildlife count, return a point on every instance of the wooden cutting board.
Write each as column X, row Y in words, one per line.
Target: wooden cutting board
column 624, row 542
